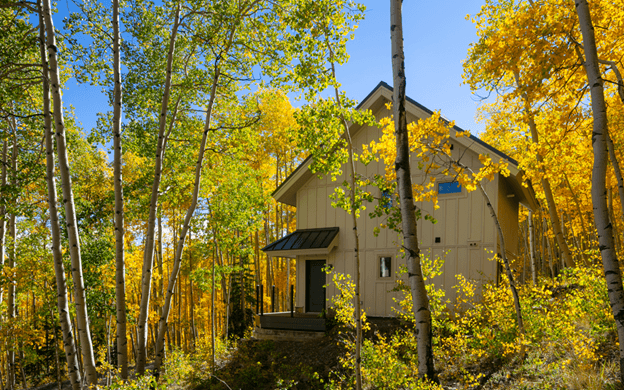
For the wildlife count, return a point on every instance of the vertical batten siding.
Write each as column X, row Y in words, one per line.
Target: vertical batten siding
column 462, row 218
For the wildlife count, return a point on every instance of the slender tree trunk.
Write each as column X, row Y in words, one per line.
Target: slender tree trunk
column 575, row 238
column 59, row 269
column 550, row 249
column 599, row 143
column 212, row 310
column 616, row 170
column 57, row 358
column 356, row 238
column 21, row 356
column 160, row 259
column 146, row 281
column 178, row 332
column 612, row 156
column 3, row 181
column 532, row 250
column 580, row 215
column 192, row 302
column 68, row 199
column 422, row 313
column 162, row 326
column 550, row 199
column 120, row 274
column 12, row 254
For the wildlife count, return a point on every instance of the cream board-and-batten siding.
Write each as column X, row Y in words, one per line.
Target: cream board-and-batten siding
column 464, row 230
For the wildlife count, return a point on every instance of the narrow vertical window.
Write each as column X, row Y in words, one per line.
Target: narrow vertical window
column 385, row 267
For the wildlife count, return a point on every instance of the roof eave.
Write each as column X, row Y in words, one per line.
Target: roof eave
column 287, row 191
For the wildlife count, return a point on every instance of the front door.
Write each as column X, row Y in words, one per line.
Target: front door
column 315, row 285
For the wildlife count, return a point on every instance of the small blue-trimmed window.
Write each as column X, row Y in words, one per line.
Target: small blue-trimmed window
column 386, row 199
column 451, row 187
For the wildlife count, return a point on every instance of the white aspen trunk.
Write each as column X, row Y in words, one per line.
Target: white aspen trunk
column 59, row 269
column 356, row 237
column 82, row 316
column 160, row 258
column 618, row 172
column 614, row 161
column 120, row 267
column 162, row 325
column 146, row 281
column 550, row 199
column 601, row 214
column 422, row 313
column 12, row 261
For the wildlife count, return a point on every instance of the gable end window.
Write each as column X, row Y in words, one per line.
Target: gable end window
column 386, row 199
column 451, row 187
column 385, row 267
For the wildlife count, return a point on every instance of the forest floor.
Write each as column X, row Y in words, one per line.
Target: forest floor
column 265, row 364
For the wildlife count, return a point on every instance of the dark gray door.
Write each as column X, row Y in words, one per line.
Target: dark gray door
column 315, row 285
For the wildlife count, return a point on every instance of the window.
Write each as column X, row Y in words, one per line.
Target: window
column 386, row 199
column 385, row 267
column 451, row 187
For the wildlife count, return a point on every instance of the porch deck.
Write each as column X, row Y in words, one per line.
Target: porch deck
column 308, row 322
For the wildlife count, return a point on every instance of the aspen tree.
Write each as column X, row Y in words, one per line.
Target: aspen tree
column 148, row 260
column 550, row 199
column 3, row 222
column 356, row 236
column 55, row 230
column 599, row 143
column 532, row 249
column 162, row 325
column 420, row 299
column 120, row 274
column 11, row 257
column 68, row 200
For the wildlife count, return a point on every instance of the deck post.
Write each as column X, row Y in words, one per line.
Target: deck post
column 292, row 300
column 261, row 299
column 273, row 299
column 257, row 297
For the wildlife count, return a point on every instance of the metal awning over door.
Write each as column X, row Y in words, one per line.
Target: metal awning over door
column 318, row 241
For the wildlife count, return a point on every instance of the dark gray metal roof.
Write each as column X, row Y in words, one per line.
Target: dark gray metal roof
column 304, row 239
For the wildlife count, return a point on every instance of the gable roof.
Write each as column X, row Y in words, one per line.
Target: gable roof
column 286, row 192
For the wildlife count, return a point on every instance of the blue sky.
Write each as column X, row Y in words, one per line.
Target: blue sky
column 436, row 40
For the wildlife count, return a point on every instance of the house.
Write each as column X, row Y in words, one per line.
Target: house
column 464, row 230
